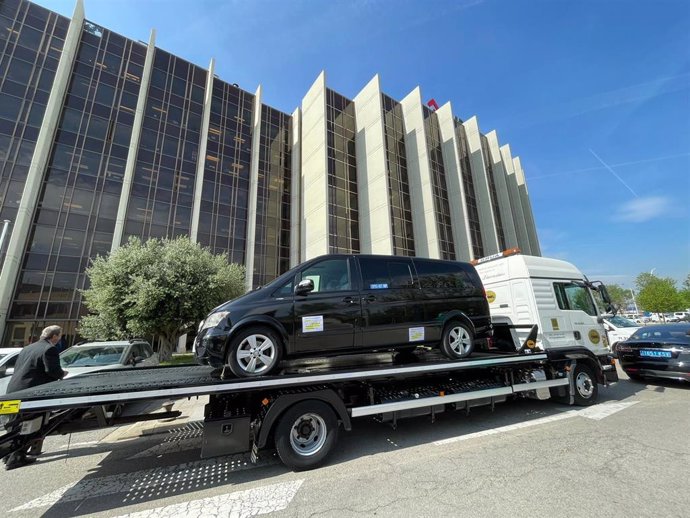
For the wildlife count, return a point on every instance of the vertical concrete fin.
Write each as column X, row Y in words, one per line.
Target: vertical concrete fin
column 515, row 200
column 118, row 233
column 199, row 180
column 296, row 190
column 456, row 189
column 481, row 185
column 253, row 191
column 502, row 192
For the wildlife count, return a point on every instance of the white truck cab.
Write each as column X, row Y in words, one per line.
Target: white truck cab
column 524, row 289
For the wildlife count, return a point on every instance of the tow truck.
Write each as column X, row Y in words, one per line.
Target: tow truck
column 300, row 411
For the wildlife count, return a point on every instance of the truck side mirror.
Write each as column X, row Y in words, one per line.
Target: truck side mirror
column 304, row 287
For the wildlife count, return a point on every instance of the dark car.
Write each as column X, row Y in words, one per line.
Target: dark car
column 661, row 351
column 345, row 304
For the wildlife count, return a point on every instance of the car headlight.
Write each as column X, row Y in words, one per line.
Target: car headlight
column 213, row 320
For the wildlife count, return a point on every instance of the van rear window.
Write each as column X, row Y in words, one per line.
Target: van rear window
column 443, row 275
column 381, row 274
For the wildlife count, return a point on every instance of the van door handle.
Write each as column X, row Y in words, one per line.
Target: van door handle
column 351, row 300
column 369, row 298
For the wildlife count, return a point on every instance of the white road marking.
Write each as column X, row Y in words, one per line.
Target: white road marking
column 509, row 428
column 252, row 502
column 596, row 412
column 146, row 484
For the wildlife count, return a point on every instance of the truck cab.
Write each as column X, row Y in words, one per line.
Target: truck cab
column 568, row 307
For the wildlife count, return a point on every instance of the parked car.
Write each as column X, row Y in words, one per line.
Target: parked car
column 8, row 357
column 661, row 351
column 346, row 304
column 618, row 329
column 99, row 356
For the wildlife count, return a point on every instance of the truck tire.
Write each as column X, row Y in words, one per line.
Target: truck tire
column 254, row 351
column 457, row 341
column 586, row 387
column 306, row 434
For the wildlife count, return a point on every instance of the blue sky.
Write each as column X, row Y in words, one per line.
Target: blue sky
column 594, row 96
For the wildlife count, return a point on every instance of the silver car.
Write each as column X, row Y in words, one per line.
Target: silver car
column 100, row 356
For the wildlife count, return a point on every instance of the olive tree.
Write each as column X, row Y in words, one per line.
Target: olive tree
column 161, row 287
column 656, row 294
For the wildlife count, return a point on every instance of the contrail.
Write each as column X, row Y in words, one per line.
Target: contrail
column 614, row 173
column 620, row 164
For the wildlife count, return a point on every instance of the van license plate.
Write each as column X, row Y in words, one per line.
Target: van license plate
column 655, row 354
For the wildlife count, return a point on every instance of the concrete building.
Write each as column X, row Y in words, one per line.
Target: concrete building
column 103, row 138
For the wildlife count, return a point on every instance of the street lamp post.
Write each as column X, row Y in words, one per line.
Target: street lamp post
column 637, row 312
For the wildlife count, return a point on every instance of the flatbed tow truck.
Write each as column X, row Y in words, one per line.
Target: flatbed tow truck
column 300, row 411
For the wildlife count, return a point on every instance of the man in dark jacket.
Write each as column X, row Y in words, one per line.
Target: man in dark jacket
column 36, row 364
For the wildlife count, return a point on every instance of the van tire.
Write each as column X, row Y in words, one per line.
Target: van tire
column 261, row 344
column 457, row 341
column 306, row 434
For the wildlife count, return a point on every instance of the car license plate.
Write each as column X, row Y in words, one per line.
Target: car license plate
column 655, row 354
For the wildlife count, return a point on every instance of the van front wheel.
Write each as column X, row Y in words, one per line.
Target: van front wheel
column 254, row 352
column 457, row 341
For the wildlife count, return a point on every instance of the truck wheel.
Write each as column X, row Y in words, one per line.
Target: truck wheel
column 586, row 387
column 457, row 341
column 254, row 352
column 306, row 434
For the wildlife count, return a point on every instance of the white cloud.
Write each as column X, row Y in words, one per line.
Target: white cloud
column 639, row 210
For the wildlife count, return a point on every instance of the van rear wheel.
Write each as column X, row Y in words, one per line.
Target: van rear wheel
column 457, row 341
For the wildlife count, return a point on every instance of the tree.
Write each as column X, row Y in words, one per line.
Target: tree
column 161, row 287
column 685, row 293
column 656, row 294
column 619, row 296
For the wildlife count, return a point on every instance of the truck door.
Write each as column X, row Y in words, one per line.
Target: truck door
column 579, row 315
column 329, row 317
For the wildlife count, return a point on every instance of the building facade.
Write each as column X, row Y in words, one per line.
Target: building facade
column 104, row 138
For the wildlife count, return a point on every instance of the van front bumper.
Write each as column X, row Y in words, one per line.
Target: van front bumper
column 209, row 346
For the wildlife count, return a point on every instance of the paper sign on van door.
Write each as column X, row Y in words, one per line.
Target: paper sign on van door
column 416, row 334
column 312, row 324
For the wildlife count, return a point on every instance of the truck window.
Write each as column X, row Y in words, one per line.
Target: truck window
column 380, row 274
column 573, row 297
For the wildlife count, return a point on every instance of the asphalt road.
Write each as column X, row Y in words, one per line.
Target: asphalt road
column 626, row 456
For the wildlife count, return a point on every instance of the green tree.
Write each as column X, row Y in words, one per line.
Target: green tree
column 685, row 293
column 619, row 296
column 158, row 288
column 656, row 294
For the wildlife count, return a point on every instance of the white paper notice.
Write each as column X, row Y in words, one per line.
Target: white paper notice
column 312, row 324
column 416, row 334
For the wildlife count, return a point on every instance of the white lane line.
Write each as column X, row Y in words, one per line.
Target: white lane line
column 152, row 483
column 596, row 412
column 252, row 502
column 509, row 428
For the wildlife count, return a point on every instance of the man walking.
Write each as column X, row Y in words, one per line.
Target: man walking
column 37, row 364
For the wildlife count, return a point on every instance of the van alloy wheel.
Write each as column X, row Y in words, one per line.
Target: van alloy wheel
column 457, row 341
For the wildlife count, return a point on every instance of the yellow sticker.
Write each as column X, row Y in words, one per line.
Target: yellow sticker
column 554, row 324
column 9, row 407
column 490, row 296
column 594, row 336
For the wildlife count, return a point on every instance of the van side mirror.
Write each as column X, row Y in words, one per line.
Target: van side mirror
column 304, row 287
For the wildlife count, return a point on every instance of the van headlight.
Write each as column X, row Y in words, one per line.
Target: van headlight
column 213, row 320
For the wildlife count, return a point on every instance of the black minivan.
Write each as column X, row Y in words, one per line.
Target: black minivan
column 346, row 304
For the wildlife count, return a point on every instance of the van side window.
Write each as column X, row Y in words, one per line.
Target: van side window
column 573, row 297
column 284, row 291
column 380, row 274
column 443, row 275
column 329, row 275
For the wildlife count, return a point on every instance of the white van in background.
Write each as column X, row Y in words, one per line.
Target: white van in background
column 524, row 289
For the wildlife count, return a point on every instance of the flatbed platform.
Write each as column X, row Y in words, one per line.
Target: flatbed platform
column 194, row 380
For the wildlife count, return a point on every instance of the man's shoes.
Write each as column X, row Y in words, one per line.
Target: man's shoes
column 14, row 462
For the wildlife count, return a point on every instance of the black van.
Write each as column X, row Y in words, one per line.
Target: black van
column 346, row 304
